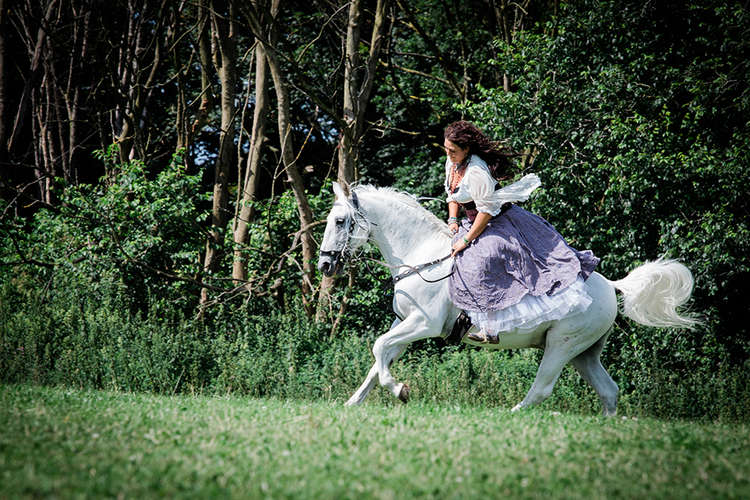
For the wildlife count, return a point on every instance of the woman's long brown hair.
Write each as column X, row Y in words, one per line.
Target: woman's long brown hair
column 498, row 157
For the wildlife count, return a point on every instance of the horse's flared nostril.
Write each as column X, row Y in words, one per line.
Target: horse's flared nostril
column 324, row 267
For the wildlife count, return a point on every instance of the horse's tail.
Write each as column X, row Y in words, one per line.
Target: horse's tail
column 653, row 293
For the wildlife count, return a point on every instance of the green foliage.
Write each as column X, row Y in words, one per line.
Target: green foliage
column 129, row 233
column 80, row 342
column 77, row 341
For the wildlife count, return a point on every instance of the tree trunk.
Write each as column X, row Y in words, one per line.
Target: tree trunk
column 3, row 145
column 347, row 142
column 295, row 180
column 510, row 17
column 250, row 182
column 30, row 83
column 358, row 83
column 30, row 100
column 123, row 122
column 292, row 172
column 140, row 52
column 225, row 55
column 204, row 56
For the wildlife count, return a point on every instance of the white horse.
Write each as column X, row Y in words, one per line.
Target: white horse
column 408, row 235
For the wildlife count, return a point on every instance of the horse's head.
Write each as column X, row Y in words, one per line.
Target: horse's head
column 346, row 230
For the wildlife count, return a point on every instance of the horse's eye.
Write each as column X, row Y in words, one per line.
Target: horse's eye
column 339, row 222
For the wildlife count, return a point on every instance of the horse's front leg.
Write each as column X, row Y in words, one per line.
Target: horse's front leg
column 372, row 377
column 414, row 327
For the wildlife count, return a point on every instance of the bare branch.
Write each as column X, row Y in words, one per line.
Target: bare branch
column 419, row 73
column 414, row 24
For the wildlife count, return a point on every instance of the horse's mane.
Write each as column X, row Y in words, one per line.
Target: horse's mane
column 407, row 199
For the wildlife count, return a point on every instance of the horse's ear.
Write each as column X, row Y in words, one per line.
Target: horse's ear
column 338, row 191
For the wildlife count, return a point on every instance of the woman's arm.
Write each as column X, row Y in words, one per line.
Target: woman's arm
column 480, row 186
column 453, row 216
column 480, row 223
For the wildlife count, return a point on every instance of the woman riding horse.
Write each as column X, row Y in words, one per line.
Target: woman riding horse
column 513, row 270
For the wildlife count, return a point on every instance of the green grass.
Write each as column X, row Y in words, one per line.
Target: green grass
column 57, row 442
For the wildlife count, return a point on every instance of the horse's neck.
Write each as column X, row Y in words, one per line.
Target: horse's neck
column 403, row 233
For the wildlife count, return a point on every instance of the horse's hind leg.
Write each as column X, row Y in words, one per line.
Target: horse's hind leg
column 562, row 345
column 590, row 367
column 549, row 371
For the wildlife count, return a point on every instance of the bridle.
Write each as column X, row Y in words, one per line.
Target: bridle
column 336, row 255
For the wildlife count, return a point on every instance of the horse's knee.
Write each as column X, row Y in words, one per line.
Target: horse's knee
column 536, row 395
column 379, row 348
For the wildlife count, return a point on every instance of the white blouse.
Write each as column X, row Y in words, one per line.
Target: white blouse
column 478, row 185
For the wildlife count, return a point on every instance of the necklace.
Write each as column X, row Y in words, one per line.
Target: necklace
column 457, row 173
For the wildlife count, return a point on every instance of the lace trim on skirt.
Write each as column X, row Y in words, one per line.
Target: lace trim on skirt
column 531, row 311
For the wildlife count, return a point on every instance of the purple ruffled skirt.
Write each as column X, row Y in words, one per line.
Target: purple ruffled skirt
column 519, row 272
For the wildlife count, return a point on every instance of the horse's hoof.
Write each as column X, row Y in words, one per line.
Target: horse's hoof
column 516, row 408
column 353, row 402
column 403, row 394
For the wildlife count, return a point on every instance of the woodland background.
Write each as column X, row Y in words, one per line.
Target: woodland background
column 166, row 168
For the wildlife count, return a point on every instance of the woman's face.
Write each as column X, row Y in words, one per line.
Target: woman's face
column 454, row 152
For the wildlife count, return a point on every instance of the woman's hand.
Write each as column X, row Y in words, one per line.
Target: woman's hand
column 477, row 227
column 453, row 226
column 458, row 247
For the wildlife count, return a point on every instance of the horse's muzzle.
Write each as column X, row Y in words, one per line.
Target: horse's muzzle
column 330, row 262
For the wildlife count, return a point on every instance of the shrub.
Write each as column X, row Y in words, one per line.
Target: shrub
column 78, row 342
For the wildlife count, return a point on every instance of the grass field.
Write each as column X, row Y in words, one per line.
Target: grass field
column 64, row 443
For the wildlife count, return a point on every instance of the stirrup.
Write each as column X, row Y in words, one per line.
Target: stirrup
column 460, row 328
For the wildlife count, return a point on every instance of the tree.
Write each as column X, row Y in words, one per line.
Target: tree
column 80, row 90
column 35, row 41
column 137, row 66
column 248, row 183
column 269, row 39
column 358, row 82
column 359, row 79
column 224, row 55
column 510, row 18
column 3, row 143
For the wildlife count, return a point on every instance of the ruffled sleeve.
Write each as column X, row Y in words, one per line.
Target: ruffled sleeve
column 481, row 187
column 474, row 173
column 518, row 191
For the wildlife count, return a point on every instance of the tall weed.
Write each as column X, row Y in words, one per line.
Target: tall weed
column 76, row 341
